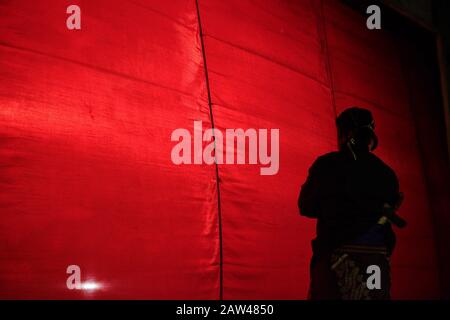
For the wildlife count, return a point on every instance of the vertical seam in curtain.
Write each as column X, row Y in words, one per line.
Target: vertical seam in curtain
column 324, row 40
column 216, row 165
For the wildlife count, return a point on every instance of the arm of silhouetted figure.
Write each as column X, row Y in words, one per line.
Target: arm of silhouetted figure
column 309, row 194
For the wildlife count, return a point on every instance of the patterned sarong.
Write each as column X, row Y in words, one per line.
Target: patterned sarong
column 342, row 274
column 350, row 266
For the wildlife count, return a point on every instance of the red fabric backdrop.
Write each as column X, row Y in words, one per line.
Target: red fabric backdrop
column 85, row 123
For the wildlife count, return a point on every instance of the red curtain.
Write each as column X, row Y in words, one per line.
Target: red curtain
column 86, row 118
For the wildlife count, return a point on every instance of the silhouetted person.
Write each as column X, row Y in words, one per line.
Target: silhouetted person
column 353, row 195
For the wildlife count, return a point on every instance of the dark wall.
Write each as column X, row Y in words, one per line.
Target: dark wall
column 429, row 92
column 426, row 64
column 432, row 15
column 425, row 99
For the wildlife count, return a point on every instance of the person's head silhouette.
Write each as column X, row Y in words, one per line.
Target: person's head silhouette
column 355, row 127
